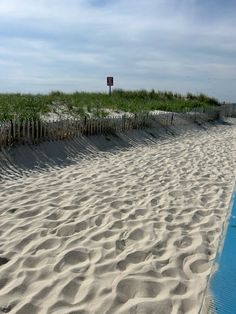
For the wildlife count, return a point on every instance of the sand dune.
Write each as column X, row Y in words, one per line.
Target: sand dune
column 127, row 230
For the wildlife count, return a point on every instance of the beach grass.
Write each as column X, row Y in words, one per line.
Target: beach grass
column 28, row 106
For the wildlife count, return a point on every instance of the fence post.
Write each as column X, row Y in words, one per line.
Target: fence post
column 91, row 126
column 172, row 118
column 37, row 130
column 23, row 131
column 9, row 133
column 123, row 122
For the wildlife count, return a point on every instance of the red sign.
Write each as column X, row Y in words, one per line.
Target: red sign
column 109, row 81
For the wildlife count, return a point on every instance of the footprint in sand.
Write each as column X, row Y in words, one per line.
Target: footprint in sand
column 199, row 266
column 150, row 307
column 180, row 289
column 155, row 201
column 117, row 225
column 132, row 258
column 70, row 290
column 71, row 229
column 120, row 245
column 28, row 309
column 130, row 288
column 171, row 272
column 120, row 204
column 117, row 214
column 3, row 282
column 140, row 212
column 183, row 243
column 196, row 264
column 99, row 220
column 72, row 258
column 169, row 218
column 136, row 235
column 103, row 235
column 48, row 244
column 54, row 216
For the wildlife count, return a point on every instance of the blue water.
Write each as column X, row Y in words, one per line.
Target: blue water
column 223, row 282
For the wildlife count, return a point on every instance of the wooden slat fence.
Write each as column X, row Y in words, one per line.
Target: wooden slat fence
column 36, row 131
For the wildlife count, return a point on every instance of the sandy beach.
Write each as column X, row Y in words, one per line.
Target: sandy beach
column 128, row 230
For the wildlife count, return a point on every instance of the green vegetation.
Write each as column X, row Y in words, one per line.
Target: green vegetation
column 25, row 106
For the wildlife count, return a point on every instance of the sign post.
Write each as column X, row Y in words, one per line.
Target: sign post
column 110, row 83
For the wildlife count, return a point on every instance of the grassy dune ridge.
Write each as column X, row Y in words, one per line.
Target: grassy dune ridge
column 28, row 106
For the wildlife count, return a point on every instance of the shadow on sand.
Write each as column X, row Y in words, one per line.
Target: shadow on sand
column 23, row 160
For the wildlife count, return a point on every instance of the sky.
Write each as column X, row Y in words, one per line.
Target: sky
column 73, row 45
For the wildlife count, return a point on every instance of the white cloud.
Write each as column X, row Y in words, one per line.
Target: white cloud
column 162, row 42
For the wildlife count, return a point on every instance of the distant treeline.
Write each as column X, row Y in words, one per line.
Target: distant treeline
column 80, row 104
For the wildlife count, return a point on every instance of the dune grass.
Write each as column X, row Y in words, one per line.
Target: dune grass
column 28, row 106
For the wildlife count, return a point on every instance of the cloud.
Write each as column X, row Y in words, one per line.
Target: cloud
column 179, row 45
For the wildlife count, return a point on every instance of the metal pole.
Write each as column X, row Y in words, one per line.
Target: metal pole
column 110, row 90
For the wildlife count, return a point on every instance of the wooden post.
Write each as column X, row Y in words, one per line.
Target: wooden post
column 72, row 127
column 18, row 122
column 91, row 126
column 28, row 130
column 37, row 130
column 23, row 131
column 61, row 130
column 88, row 126
column 33, row 130
column 41, row 129
column 123, row 123
column 99, row 126
column 14, row 130
column 172, row 118
column 96, row 125
column 10, row 133
column 85, row 126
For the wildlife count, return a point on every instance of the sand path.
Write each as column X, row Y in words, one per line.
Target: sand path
column 130, row 232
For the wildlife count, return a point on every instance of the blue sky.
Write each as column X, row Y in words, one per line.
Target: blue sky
column 68, row 45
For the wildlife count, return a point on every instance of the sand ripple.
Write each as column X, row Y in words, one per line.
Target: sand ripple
column 130, row 232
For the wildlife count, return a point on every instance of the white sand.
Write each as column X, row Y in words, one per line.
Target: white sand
column 130, row 232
